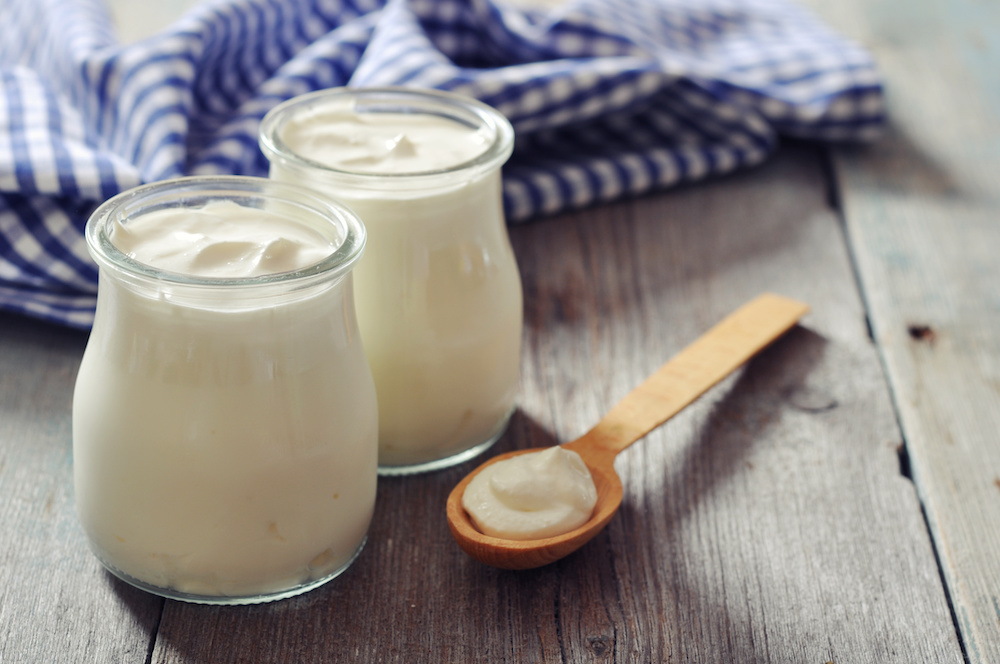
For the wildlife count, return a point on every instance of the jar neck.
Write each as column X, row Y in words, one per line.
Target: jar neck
column 220, row 298
column 370, row 102
column 310, row 209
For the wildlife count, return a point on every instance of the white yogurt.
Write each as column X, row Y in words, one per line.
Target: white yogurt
column 380, row 143
column 532, row 496
column 438, row 292
column 221, row 239
column 225, row 439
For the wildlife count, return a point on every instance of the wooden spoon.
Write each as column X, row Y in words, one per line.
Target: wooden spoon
column 680, row 381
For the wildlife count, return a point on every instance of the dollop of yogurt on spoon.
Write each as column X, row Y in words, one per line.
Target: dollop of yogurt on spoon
column 532, row 496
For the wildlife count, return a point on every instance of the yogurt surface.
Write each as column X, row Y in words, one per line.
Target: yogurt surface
column 221, row 239
column 532, row 496
column 383, row 142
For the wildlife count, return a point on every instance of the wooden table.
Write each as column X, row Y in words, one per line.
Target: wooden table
column 838, row 500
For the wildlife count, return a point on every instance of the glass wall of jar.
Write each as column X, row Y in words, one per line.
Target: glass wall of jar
column 438, row 292
column 225, row 427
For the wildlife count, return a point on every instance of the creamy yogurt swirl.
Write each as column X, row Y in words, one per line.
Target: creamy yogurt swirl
column 383, row 143
column 532, row 496
column 221, row 239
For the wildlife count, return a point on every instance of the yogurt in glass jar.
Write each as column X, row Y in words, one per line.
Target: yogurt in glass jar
column 224, row 416
column 438, row 292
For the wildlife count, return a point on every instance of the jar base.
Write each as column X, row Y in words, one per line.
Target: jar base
column 448, row 461
column 194, row 598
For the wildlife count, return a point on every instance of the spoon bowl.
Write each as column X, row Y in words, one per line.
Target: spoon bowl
column 528, row 554
column 676, row 384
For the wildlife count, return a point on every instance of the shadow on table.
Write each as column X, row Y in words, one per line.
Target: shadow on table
column 376, row 606
column 414, row 596
column 776, row 379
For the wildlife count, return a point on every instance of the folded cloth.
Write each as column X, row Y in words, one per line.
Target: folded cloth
column 608, row 98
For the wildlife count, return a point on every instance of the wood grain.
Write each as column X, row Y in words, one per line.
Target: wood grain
column 699, row 366
column 768, row 522
column 56, row 603
column 922, row 209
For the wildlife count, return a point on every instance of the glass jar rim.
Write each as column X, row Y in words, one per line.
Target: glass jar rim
column 398, row 98
column 185, row 191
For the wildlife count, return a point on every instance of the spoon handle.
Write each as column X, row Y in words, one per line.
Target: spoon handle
column 689, row 374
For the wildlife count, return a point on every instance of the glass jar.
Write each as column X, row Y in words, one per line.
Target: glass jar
column 225, row 429
column 438, row 292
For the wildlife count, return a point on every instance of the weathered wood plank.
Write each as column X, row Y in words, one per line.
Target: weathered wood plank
column 923, row 214
column 769, row 522
column 56, row 605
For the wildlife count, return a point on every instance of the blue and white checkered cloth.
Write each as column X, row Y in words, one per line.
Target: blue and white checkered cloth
column 608, row 98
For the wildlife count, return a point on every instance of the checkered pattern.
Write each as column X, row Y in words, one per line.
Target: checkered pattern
column 608, row 98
